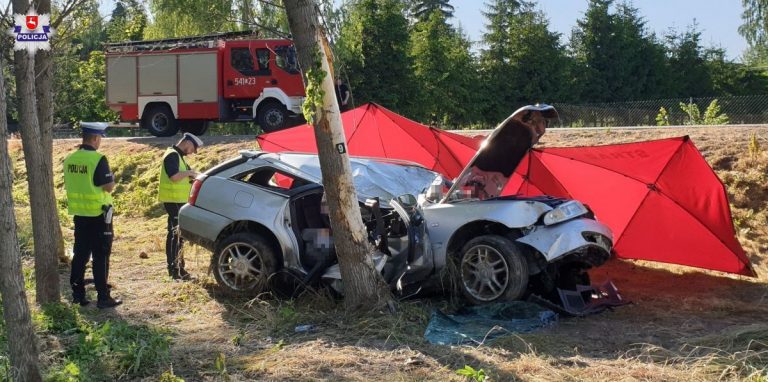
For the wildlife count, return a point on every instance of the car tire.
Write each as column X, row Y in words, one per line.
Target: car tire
column 492, row 268
column 195, row 127
column 272, row 117
column 243, row 264
column 160, row 122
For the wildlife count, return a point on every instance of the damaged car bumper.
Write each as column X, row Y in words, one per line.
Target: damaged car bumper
column 573, row 236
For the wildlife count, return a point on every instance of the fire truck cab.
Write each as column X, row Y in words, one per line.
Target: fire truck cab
column 173, row 84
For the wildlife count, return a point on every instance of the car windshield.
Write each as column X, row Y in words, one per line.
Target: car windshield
column 372, row 178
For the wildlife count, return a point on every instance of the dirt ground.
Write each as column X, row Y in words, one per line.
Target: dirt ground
column 683, row 324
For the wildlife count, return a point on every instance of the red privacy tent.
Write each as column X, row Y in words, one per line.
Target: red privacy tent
column 374, row 131
column 661, row 199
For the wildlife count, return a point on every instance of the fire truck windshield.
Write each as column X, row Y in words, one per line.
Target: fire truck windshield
column 286, row 58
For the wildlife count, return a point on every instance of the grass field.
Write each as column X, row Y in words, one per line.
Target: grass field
column 684, row 324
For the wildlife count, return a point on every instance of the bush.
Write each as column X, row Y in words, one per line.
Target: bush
column 711, row 116
column 98, row 351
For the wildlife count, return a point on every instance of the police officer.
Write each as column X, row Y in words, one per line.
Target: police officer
column 89, row 182
column 175, row 183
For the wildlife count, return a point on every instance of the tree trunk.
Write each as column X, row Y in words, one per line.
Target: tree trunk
column 38, row 160
column 44, row 93
column 22, row 343
column 363, row 285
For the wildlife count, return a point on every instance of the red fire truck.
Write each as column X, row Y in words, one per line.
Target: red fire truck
column 186, row 83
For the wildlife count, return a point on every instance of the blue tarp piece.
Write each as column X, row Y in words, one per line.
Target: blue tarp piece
column 480, row 324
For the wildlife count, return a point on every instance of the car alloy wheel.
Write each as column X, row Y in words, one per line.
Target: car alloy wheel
column 485, row 273
column 241, row 267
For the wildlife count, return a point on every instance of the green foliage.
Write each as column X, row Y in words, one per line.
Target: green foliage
column 617, row 58
column 471, row 374
column 70, row 372
column 372, row 55
column 688, row 71
column 662, row 119
column 137, row 177
column 314, row 93
column 84, row 99
column 100, row 350
column 169, row 376
column 220, row 363
column 179, row 18
column 712, row 115
column 59, row 318
column 523, row 63
column 692, row 110
column 422, row 9
column 127, row 22
column 445, row 71
column 755, row 30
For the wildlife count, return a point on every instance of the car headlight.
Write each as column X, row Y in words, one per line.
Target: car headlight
column 565, row 211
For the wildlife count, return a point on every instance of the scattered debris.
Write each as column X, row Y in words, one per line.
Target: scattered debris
column 478, row 324
column 585, row 300
column 414, row 361
column 305, row 328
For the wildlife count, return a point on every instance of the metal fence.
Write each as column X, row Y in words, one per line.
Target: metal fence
column 740, row 110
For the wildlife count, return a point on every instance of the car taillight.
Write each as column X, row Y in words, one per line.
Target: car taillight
column 196, row 185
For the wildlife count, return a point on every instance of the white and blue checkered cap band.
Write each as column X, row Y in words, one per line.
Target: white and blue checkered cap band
column 97, row 128
column 195, row 140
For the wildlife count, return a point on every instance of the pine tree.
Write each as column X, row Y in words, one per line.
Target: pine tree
column 617, row 58
column 422, row 9
column 372, row 54
column 445, row 72
column 522, row 63
column 688, row 68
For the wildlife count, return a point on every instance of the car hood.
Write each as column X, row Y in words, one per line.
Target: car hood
column 501, row 153
column 380, row 178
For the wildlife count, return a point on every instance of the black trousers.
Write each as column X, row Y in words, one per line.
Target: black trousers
column 173, row 241
column 93, row 240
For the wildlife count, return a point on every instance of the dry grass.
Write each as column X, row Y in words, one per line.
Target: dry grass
column 683, row 325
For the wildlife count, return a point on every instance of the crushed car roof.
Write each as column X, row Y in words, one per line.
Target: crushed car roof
column 373, row 177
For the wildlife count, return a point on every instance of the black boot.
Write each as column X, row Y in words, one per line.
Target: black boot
column 82, row 300
column 108, row 302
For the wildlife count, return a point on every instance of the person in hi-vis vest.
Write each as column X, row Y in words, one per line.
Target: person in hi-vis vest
column 175, row 183
column 89, row 182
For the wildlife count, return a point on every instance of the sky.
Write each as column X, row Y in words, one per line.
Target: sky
column 718, row 20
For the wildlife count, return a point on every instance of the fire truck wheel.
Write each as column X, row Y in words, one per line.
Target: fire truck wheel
column 159, row 120
column 195, row 127
column 272, row 116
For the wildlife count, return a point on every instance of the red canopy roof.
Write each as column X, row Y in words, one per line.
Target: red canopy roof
column 373, row 131
column 661, row 199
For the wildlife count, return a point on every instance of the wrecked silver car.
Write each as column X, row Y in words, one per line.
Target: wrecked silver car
column 263, row 214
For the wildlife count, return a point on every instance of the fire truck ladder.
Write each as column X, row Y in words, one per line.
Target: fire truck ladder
column 205, row 41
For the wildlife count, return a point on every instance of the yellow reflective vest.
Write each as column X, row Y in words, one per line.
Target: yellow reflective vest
column 83, row 197
column 170, row 191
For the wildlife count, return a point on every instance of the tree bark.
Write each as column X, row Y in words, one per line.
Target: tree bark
column 38, row 159
column 363, row 286
column 44, row 93
column 21, row 336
